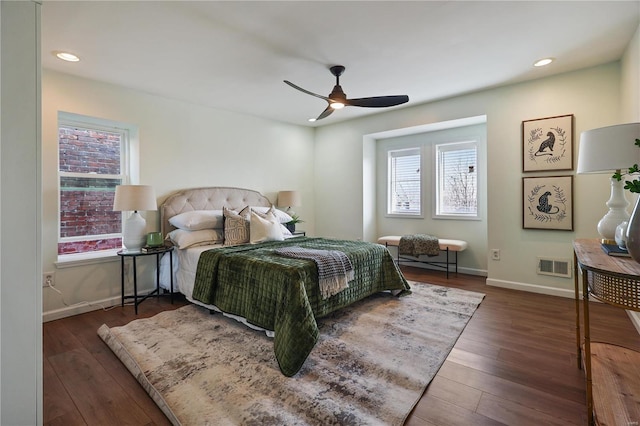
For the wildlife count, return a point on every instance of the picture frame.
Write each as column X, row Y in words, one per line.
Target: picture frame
column 547, row 202
column 547, row 144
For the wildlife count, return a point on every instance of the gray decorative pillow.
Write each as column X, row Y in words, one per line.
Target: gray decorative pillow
column 236, row 226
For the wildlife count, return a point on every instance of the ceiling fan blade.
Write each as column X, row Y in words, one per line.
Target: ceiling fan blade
column 327, row 112
column 306, row 91
column 378, row 101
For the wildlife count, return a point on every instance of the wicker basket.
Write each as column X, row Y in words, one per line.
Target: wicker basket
column 617, row 290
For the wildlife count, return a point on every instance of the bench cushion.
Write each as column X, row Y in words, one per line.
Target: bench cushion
column 452, row 245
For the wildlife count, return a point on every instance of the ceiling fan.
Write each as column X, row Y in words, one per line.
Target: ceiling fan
column 338, row 99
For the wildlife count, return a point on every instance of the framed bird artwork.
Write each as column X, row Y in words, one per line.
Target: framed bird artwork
column 547, row 144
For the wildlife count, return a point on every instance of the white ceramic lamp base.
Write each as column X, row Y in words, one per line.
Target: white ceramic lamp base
column 617, row 211
column 134, row 237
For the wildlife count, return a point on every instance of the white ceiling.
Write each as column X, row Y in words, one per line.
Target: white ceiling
column 235, row 55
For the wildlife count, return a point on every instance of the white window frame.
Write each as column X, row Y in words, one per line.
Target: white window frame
column 129, row 174
column 391, row 210
column 438, row 184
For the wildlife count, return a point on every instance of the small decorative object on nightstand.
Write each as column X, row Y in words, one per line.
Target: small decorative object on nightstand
column 291, row 225
column 157, row 251
column 154, row 239
column 303, row 233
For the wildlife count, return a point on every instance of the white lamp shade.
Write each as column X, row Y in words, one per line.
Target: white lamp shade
column 134, row 198
column 609, row 148
column 289, row 199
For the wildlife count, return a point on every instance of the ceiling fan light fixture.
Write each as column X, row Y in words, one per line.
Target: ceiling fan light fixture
column 543, row 62
column 337, row 105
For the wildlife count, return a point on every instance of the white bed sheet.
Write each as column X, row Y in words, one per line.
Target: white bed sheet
column 185, row 265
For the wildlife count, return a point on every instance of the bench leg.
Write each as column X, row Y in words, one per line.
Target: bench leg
column 456, row 263
column 447, row 262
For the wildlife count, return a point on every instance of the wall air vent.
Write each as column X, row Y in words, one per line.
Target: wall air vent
column 554, row 267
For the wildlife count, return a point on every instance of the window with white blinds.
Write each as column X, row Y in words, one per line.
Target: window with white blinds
column 405, row 178
column 457, row 179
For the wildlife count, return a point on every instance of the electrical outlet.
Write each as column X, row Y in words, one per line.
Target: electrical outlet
column 495, row 254
column 48, row 279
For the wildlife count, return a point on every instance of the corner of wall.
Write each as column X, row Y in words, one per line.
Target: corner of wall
column 630, row 83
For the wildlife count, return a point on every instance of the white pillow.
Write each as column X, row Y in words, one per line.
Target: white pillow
column 282, row 217
column 264, row 227
column 285, row 231
column 198, row 219
column 183, row 239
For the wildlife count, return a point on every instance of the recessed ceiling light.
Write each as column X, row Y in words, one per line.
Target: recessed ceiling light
column 311, row 120
column 543, row 62
column 66, row 56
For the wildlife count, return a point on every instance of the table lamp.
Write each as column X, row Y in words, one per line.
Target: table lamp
column 605, row 150
column 289, row 199
column 134, row 198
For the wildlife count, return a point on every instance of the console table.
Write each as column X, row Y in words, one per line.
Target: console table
column 612, row 372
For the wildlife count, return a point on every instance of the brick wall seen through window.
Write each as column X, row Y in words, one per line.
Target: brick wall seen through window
column 90, row 167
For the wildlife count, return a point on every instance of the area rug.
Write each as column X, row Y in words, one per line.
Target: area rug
column 370, row 366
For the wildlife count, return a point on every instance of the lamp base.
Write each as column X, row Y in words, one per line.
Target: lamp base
column 617, row 211
column 134, row 237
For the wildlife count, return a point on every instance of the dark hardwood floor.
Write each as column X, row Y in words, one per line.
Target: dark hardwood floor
column 514, row 364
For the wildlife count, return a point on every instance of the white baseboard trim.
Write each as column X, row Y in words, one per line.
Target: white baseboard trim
column 80, row 308
column 532, row 288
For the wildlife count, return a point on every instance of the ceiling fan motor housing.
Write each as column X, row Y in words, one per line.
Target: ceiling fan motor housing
column 337, row 70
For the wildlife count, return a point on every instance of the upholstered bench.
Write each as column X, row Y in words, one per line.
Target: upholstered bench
column 446, row 246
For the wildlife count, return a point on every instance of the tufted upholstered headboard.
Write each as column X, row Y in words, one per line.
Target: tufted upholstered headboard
column 210, row 198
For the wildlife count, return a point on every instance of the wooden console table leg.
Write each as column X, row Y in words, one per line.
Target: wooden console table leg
column 587, row 347
column 576, row 271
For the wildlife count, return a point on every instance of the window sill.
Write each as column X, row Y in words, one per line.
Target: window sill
column 455, row 217
column 81, row 259
column 404, row 216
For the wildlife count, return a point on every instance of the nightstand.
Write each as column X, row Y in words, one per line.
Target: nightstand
column 133, row 255
column 303, row 233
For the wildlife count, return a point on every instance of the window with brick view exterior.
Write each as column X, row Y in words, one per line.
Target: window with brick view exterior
column 90, row 167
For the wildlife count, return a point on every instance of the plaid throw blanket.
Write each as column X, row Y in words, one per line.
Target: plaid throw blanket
column 419, row 244
column 334, row 267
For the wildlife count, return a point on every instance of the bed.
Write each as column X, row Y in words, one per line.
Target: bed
column 263, row 289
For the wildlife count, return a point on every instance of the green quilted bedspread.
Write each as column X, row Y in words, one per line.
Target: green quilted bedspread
column 282, row 294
